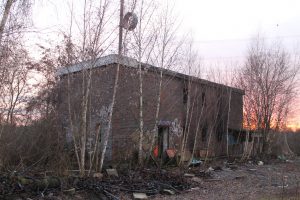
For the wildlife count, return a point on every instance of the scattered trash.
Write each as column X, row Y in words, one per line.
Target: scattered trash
column 209, row 169
column 195, row 162
column 195, row 188
column 112, row 172
column 140, row 196
column 169, row 192
column 70, row 191
column 171, row 153
column 197, row 179
column 156, row 151
column 283, row 186
column 260, row 163
column 144, row 182
column 98, row 175
column 188, row 175
column 281, row 157
column 240, row 177
column 275, row 184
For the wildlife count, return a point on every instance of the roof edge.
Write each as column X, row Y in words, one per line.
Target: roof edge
column 131, row 62
column 102, row 61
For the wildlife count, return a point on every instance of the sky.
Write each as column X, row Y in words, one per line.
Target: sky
column 222, row 29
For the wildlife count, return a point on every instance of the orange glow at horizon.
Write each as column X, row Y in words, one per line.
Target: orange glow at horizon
column 293, row 126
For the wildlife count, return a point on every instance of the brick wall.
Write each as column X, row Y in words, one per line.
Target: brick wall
column 124, row 137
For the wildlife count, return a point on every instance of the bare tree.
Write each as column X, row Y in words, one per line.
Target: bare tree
column 13, row 17
column 192, row 66
column 149, row 44
column 5, row 16
column 269, row 80
column 13, row 55
column 115, row 87
column 139, row 45
column 165, row 54
column 14, row 82
column 93, row 40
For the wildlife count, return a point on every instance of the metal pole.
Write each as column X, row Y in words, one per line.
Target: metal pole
column 120, row 27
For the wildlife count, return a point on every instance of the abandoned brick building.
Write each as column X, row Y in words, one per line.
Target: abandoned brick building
column 188, row 105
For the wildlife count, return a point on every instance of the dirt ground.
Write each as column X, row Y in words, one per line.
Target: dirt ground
column 274, row 180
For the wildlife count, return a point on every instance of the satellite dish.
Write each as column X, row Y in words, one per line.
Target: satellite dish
column 130, row 21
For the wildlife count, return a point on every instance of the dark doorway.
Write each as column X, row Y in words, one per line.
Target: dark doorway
column 163, row 141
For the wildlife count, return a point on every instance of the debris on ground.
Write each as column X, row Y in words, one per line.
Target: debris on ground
column 140, row 196
column 98, row 175
column 195, row 162
column 70, row 191
column 197, row 179
column 217, row 180
column 146, row 182
column 112, row 172
column 188, row 175
column 169, row 192
column 210, row 169
column 260, row 163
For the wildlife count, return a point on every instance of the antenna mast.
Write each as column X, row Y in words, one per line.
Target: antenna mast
column 121, row 27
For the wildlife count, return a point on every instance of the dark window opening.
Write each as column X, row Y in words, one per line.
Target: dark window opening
column 220, row 131
column 203, row 98
column 204, row 133
column 185, row 94
column 236, row 136
column 232, row 138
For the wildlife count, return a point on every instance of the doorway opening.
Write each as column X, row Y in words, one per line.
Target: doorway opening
column 163, row 141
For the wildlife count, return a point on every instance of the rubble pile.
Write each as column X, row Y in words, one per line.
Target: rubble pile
column 145, row 182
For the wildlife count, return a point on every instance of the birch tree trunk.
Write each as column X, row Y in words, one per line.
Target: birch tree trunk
column 141, row 124
column 83, row 126
column 95, row 149
column 71, row 123
column 155, row 129
column 109, row 128
column 4, row 18
column 141, row 120
column 166, row 54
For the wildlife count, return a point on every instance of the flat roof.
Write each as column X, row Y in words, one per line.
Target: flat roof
column 131, row 62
